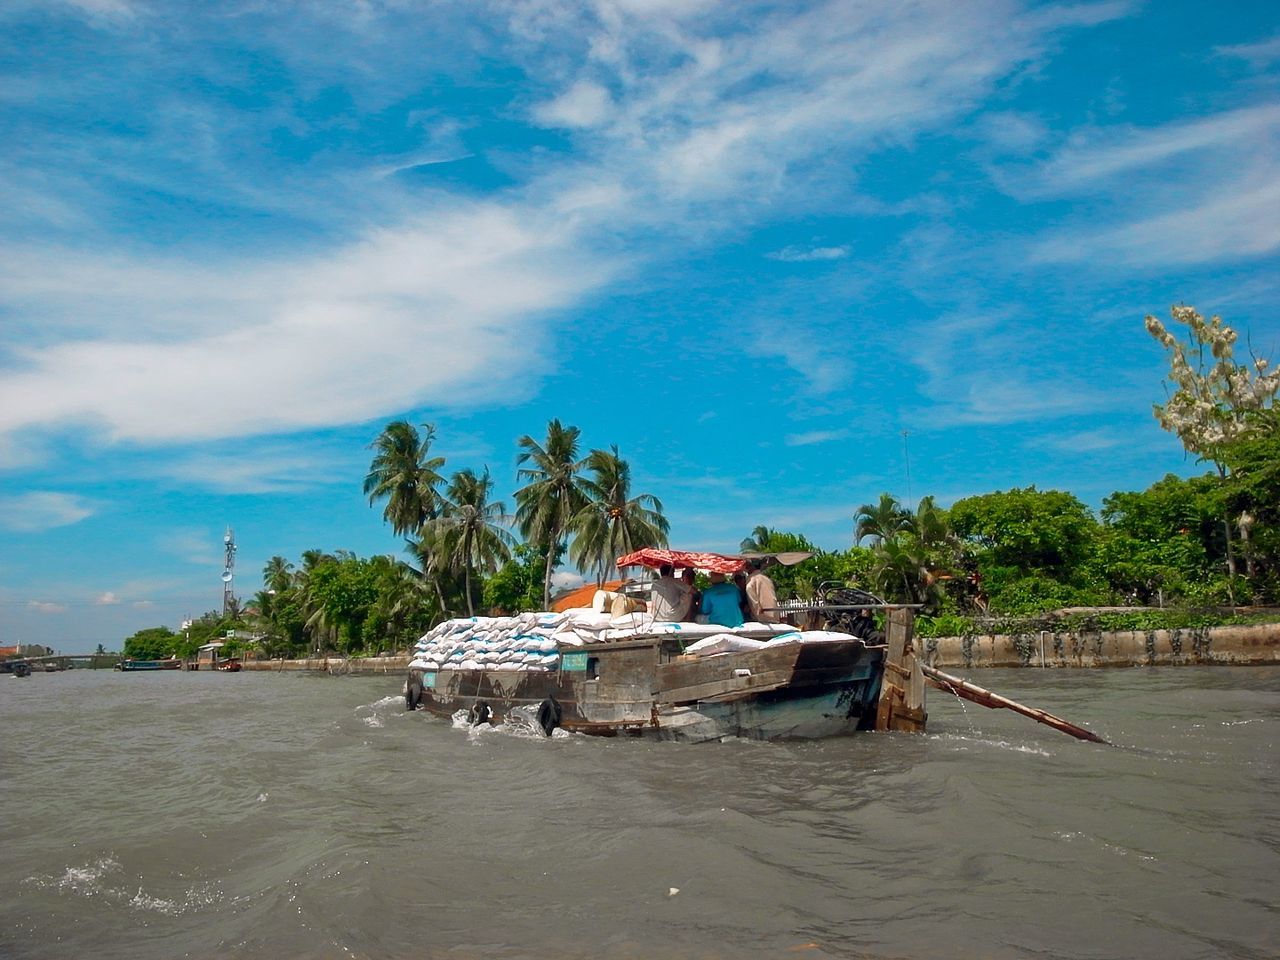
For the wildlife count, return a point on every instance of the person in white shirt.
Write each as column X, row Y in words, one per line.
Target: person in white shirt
column 761, row 595
column 669, row 599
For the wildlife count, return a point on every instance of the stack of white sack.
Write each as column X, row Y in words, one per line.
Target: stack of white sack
column 723, row 643
column 522, row 642
column 530, row 641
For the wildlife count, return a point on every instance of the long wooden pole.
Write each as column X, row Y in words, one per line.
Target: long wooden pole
column 984, row 697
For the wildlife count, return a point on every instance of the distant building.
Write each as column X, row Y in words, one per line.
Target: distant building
column 25, row 650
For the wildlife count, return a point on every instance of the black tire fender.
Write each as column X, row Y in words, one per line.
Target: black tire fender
column 549, row 715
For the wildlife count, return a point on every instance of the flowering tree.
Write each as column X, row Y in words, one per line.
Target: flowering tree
column 1213, row 396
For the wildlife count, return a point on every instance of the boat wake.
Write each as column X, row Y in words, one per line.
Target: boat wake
column 521, row 723
column 999, row 744
column 104, row 879
column 376, row 714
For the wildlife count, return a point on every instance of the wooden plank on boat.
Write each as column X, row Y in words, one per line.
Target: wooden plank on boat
column 726, row 687
column 901, row 705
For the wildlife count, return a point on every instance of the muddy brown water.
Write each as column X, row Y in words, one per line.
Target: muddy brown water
column 300, row 816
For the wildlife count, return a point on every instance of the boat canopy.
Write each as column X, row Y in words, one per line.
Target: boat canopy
column 711, row 562
column 653, row 557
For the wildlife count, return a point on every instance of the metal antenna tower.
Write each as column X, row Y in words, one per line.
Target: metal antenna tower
column 228, row 573
column 906, row 456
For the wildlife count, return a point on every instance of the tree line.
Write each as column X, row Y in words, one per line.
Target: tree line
column 1183, row 543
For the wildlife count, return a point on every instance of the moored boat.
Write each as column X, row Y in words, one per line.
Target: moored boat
column 131, row 664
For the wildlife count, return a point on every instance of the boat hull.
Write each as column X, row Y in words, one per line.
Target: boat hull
column 132, row 665
column 783, row 692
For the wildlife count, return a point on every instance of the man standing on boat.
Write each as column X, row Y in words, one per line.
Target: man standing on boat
column 669, row 599
column 762, row 595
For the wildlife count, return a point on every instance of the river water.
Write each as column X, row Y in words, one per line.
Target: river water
column 300, row 816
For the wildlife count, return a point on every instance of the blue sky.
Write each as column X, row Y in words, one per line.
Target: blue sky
column 749, row 243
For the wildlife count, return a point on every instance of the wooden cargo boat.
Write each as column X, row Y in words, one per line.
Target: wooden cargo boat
column 645, row 685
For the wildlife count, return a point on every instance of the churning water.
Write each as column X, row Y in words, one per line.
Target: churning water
column 293, row 816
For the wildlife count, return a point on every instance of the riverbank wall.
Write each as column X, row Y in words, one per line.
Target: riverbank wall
column 1254, row 644
column 337, row 666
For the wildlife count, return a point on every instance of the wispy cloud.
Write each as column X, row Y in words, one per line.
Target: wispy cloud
column 1190, row 191
column 44, row 606
column 1230, row 223
column 1108, row 154
column 814, row 436
column 1258, row 55
column 809, row 254
column 980, row 368
column 254, row 468
column 681, row 120
column 419, row 314
column 107, row 599
column 42, row 510
column 194, row 546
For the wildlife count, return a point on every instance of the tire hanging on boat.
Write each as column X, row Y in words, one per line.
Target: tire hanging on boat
column 413, row 691
column 480, row 713
column 549, row 715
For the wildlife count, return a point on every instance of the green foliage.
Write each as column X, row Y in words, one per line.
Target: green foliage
column 341, row 591
column 1252, row 492
column 1027, row 528
column 517, row 587
column 945, row 625
column 154, row 643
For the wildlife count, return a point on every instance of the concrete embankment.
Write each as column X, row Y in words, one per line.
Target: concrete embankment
column 337, row 666
column 1242, row 645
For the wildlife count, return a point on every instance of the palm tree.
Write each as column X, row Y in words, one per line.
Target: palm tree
column 431, row 551
column 882, row 521
column 613, row 522
column 758, row 542
column 930, row 524
column 553, row 494
column 276, row 575
column 473, row 528
column 405, row 476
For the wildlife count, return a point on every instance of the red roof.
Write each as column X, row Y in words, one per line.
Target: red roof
column 711, row 562
column 582, row 597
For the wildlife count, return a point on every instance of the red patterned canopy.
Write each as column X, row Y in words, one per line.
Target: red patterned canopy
column 711, row 562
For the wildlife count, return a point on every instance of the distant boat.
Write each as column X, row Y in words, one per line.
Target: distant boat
column 170, row 664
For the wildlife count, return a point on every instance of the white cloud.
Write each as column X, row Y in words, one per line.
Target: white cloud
column 814, row 436
column 819, row 368
column 584, row 104
column 107, row 599
column 257, row 468
column 1094, row 441
column 807, row 254
column 437, row 312
column 684, row 121
column 1258, row 55
column 195, row 546
column 42, row 510
column 1112, row 153
column 42, row 606
column 980, row 368
column 1229, row 224
column 566, row 580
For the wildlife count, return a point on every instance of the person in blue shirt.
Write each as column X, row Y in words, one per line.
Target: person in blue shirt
column 720, row 602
